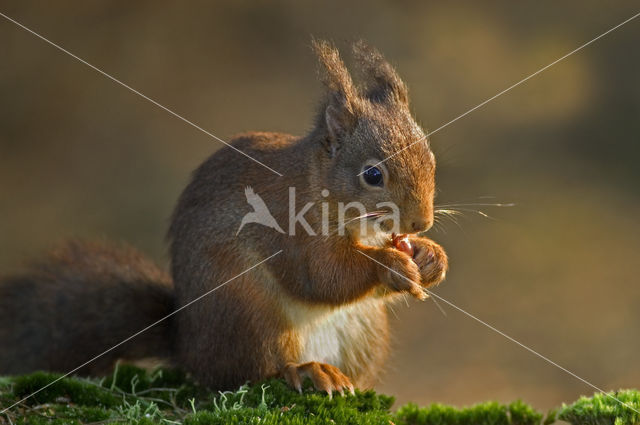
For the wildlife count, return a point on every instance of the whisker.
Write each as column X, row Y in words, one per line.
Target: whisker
column 436, row 225
column 477, row 204
column 461, row 210
column 458, row 211
column 390, row 305
column 436, row 303
column 454, row 220
column 452, row 212
column 452, row 215
column 336, row 226
column 367, row 215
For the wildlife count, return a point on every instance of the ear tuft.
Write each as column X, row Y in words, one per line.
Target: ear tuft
column 343, row 102
column 383, row 83
column 334, row 73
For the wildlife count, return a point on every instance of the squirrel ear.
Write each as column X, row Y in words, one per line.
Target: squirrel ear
column 338, row 124
column 383, row 84
column 340, row 113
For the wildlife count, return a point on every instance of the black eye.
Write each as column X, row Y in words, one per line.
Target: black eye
column 372, row 175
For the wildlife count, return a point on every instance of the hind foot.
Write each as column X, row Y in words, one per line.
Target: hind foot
column 324, row 377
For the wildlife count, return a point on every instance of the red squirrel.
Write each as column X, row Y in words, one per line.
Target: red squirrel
column 317, row 309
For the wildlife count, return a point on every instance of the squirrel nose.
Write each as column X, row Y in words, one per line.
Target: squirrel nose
column 420, row 225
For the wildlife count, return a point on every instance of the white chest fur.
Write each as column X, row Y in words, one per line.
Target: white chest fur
column 323, row 340
column 333, row 335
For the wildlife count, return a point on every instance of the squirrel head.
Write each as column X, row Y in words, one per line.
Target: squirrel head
column 365, row 133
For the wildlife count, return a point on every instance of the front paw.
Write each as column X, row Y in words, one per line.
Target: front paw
column 431, row 260
column 400, row 273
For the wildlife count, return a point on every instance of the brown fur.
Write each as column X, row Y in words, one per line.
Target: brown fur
column 257, row 325
column 318, row 308
column 80, row 301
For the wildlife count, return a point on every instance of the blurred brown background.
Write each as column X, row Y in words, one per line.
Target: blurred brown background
column 82, row 156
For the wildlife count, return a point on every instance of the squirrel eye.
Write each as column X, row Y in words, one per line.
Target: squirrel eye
column 372, row 175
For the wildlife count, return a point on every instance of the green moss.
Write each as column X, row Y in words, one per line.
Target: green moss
column 490, row 413
column 274, row 402
column 57, row 414
column 167, row 396
column 49, row 389
column 604, row 409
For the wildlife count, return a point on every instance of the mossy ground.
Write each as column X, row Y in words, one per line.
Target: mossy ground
column 133, row 396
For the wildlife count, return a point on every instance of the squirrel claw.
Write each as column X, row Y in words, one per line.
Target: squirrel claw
column 431, row 260
column 400, row 273
column 325, row 377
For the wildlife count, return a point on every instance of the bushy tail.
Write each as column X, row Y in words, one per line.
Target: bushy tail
column 80, row 301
